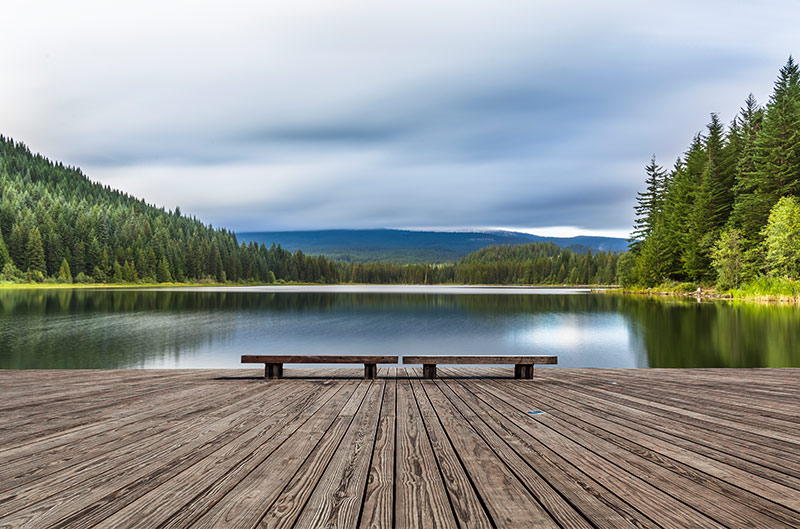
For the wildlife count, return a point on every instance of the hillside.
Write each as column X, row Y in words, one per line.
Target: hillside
column 414, row 247
column 56, row 224
column 538, row 263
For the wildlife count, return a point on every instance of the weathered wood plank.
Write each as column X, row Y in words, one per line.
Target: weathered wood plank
column 216, row 493
column 480, row 359
column 709, row 496
column 319, row 359
column 464, row 499
column 421, row 500
column 222, row 448
column 377, row 510
column 336, row 500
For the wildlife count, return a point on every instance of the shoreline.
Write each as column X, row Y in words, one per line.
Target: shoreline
column 709, row 295
column 58, row 286
column 706, row 295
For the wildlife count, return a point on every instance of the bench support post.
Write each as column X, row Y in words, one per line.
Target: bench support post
column 523, row 371
column 370, row 371
column 273, row 370
column 428, row 370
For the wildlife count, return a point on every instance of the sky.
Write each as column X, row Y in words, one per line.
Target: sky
column 534, row 116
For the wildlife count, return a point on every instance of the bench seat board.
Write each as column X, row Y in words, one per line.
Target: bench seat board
column 318, row 359
column 480, row 359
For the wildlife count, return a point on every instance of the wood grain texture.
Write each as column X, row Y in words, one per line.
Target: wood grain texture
column 576, row 448
column 479, row 359
column 318, row 359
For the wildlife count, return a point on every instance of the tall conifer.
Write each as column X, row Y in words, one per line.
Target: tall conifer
column 34, row 252
column 648, row 203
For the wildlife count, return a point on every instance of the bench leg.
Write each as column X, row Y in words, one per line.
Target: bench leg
column 428, row 370
column 370, row 371
column 273, row 370
column 523, row 371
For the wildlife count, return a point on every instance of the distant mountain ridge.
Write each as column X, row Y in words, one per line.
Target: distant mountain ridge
column 407, row 246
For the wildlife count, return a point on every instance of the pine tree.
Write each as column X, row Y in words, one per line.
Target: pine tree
column 649, row 204
column 129, row 274
column 746, row 204
column 105, row 266
column 776, row 158
column 163, row 274
column 117, row 277
column 5, row 257
column 64, row 274
column 17, row 242
column 34, row 252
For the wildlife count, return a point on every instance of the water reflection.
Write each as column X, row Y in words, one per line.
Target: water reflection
column 213, row 327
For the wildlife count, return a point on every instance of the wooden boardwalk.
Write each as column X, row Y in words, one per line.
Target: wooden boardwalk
column 602, row 448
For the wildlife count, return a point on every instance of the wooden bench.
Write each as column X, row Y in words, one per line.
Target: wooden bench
column 273, row 367
column 523, row 365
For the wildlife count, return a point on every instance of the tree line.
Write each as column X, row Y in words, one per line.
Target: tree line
column 727, row 212
column 58, row 226
column 539, row 263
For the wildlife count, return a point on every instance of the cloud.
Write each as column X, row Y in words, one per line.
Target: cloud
column 311, row 114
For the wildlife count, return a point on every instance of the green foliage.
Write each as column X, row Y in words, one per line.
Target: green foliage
column 163, row 275
column 648, row 204
column 626, row 269
column 64, row 274
column 83, row 278
column 34, row 252
column 49, row 213
column 117, row 276
column 728, row 258
column 11, row 274
column 712, row 221
column 5, row 257
column 782, row 239
column 765, row 287
column 523, row 264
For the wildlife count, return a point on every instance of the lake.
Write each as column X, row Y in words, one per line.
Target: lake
column 213, row 327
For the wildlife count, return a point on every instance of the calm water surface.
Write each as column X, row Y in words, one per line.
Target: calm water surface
column 213, row 327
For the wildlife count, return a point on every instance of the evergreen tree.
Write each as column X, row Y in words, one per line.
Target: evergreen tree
column 117, row 277
column 776, row 160
column 728, row 258
column 17, row 242
column 5, row 257
column 746, row 213
column 649, row 203
column 653, row 262
column 164, row 275
column 34, row 252
column 64, row 273
column 129, row 274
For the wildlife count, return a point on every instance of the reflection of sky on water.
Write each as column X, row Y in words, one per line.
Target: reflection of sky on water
column 212, row 328
column 579, row 340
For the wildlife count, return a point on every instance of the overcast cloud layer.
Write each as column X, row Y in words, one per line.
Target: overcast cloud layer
column 354, row 114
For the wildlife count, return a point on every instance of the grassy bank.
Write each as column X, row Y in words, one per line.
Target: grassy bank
column 762, row 289
column 53, row 286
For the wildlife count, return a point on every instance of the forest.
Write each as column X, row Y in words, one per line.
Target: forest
column 727, row 213
column 57, row 226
